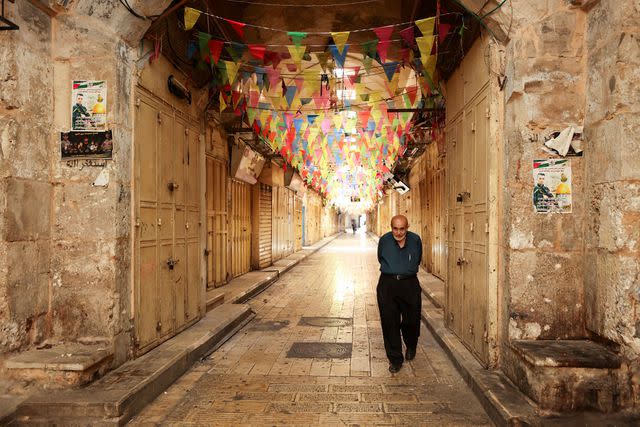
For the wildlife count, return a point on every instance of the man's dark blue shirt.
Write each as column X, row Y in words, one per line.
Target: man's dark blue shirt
column 396, row 260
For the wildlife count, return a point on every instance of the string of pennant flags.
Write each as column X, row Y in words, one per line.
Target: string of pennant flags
column 332, row 123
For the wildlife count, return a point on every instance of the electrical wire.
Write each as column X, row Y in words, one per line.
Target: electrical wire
column 322, row 33
column 352, row 3
column 125, row 3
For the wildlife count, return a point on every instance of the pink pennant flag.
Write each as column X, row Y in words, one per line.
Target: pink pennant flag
column 273, row 75
column 237, row 26
column 299, row 83
column 254, row 98
column 364, row 117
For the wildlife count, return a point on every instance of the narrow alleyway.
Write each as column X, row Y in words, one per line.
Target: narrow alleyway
column 251, row 380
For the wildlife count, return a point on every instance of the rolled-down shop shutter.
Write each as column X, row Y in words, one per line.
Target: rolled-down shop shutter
column 264, row 226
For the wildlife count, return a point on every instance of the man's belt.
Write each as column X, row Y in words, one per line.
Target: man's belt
column 399, row 276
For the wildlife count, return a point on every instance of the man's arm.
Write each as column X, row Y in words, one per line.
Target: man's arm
column 419, row 251
column 380, row 251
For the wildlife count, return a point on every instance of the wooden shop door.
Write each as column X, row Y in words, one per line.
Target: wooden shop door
column 467, row 138
column 217, row 235
column 240, row 237
column 167, row 223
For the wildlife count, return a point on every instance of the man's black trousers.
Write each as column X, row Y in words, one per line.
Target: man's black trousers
column 399, row 302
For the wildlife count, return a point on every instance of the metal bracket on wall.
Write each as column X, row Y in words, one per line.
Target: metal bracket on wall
column 5, row 24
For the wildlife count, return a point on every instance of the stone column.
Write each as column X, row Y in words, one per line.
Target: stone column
column 26, row 110
column 612, row 147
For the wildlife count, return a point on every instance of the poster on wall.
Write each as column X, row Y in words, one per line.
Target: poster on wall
column 552, row 186
column 89, row 105
column 86, row 145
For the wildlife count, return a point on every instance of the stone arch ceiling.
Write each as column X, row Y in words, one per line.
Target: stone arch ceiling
column 112, row 15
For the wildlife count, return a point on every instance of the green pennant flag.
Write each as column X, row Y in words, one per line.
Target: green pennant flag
column 203, row 40
column 322, row 57
column 366, row 62
column 251, row 115
column 296, row 37
column 369, row 49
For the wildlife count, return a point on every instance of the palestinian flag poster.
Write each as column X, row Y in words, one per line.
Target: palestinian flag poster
column 552, row 186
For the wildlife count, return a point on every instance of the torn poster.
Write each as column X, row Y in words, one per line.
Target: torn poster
column 552, row 186
column 89, row 105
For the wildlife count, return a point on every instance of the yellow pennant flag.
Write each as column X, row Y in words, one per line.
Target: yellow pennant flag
column 340, row 39
column 232, row 70
column 337, row 121
column 375, row 115
column 191, row 16
column 297, row 52
column 426, row 25
column 223, row 105
column 425, row 44
column 312, row 81
column 430, row 64
column 392, row 86
column 375, row 96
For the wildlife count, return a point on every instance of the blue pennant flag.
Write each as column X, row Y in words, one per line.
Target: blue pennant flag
column 390, row 69
column 337, row 56
column 290, row 94
column 297, row 122
column 311, row 118
column 192, row 48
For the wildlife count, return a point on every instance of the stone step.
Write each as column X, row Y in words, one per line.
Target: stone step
column 61, row 366
column 566, row 375
column 123, row 392
column 214, row 298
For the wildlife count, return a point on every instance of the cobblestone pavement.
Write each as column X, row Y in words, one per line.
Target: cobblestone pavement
column 251, row 381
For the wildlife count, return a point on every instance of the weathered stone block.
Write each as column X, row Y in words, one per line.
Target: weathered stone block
column 612, row 78
column 84, row 265
column 84, row 212
column 545, row 295
column 614, row 149
column 612, row 292
column 27, row 278
column 610, row 19
column 27, row 210
column 614, row 217
column 82, row 314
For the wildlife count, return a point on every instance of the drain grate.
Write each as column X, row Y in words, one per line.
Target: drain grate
column 325, row 321
column 320, row 350
column 270, row 325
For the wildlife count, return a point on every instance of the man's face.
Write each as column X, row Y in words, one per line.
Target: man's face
column 79, row 99
column 399, row 229
column 540, row 180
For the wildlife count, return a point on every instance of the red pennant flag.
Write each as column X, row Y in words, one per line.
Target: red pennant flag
column 273, row 57
column 443, row 30
column 384, row 33
column 383, row 47
column 237, row 26
column 408, row 36
column 412, row 91
column 257, row 51
column 364, row 117
column 215, row 47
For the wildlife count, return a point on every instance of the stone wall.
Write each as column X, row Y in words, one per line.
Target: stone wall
column 612, row 131
column 26, row 105
column 543, row 253
column 65, row 244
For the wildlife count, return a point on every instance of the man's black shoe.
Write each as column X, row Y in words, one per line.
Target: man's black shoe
column 410, row 354
column 393, row 368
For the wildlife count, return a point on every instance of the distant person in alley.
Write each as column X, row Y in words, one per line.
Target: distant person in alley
column 399, row 293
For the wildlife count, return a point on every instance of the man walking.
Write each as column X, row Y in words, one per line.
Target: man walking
column 399, row 293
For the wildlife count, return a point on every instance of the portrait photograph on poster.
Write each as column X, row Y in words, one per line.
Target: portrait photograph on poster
column 89, row 105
